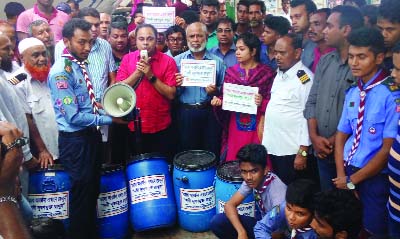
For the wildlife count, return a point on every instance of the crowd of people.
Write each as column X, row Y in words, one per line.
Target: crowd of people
column 321, row 154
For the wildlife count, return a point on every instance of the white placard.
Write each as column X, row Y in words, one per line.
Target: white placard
column 147, row 188
column 245, row 209
column 239, row 98
column 112, row 203
column 160, row 17
column 198, row 72
column 54, row 205
column 197, row 200
column 271, row 6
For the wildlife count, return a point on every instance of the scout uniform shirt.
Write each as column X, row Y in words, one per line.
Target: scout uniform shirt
column 275, row 221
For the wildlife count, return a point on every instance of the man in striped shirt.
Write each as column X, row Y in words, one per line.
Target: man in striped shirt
column 394, row 162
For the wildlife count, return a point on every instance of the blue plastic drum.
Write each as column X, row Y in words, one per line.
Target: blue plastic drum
column 49, row 193
column 194, row 175
column 151, row 194
column 112, row 203
column 227, row 183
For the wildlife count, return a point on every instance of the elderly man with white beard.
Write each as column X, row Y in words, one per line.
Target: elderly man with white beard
column 198, row 127
column 34, row 92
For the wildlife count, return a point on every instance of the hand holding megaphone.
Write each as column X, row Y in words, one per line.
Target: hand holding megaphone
column 119, row 100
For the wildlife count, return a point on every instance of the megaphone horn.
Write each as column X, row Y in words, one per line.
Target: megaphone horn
column 119, row 100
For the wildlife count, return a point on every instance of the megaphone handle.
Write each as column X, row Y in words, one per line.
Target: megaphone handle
column 138, row 131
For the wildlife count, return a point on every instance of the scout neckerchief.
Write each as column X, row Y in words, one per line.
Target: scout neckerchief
column 89, row 86
column 257, row 192
column 360, row 118
column 300, row 230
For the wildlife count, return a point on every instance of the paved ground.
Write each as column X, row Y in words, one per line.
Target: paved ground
column 173, row 233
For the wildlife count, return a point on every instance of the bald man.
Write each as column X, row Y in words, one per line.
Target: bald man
column 9, row 31
column 13, row 111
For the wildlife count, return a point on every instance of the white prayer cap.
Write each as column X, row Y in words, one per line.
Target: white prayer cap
column 28, row 43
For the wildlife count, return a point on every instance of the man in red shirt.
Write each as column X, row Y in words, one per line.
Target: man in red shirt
column 154, row 83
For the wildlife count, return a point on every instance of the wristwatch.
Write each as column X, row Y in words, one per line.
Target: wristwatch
column 302, row 153
column 16, row 143
column 153, row 79
column 349, row 184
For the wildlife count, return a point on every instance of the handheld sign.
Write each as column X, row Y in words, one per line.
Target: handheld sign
column 198, row 72
column 239, row 98
column 160, row 17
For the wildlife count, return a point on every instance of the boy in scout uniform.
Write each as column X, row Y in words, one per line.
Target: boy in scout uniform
column 291, row 219
column 366, row 130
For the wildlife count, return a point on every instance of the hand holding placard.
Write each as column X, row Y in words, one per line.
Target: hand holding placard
column 239, row 98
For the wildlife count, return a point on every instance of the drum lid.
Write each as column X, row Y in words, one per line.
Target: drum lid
column 195, row 160
column 54, row 167
column 145, row 156
column 230, row 171
column 109, row 168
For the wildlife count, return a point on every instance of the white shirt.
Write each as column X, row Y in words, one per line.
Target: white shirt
column 12, row 110
column 285, row 127
column 36, row 96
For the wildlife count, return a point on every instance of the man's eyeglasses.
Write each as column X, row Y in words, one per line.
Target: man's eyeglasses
column 172, row 40
column 226, row 30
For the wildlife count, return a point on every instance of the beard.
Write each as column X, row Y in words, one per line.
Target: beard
column 200, row 49
column 39, row 73
column 6, row 64
column 254, row 23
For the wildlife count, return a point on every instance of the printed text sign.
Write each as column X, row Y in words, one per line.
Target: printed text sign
column 197, row 200
column 198, row 72
column 160, row 17
column 147, row 188
column 239, row 98
column 54, row 205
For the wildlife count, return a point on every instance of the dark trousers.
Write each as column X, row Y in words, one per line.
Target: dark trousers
column 198, row 130
column 223, row 228
column 327, row 171
column 159, row 142
column 78, row 155
column 374, row 195
column 283, row 166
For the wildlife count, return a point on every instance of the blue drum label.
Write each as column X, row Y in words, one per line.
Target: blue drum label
column 245, row 209
column 197, row 200
column 54, row 205
column 147, row 188
column 112, row 203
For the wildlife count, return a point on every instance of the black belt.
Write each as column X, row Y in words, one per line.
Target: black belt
column 196, row 106
column 83, row 132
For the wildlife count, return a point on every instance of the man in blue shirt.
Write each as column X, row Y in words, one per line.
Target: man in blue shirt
column 102, row 65
column 198, row 127
column 366, row 130
column 78, row 137
column 226, row 48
